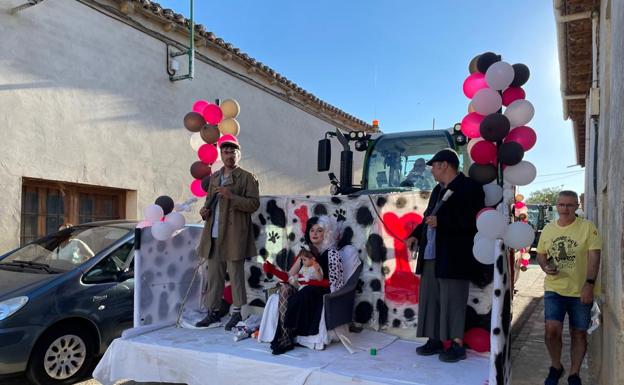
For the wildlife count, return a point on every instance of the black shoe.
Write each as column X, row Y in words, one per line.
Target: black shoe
column 574, row 379
column 430, row 348
column 453, row 354
column 282, row 349
column 210, row 319
column 553, row 376
column 234, row 319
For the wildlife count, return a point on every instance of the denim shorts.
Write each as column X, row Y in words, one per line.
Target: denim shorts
column 556, row 306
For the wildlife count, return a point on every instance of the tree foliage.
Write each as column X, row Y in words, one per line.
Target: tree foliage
column 546, row 195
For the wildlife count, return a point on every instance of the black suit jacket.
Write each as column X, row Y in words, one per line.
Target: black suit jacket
column 455, row 231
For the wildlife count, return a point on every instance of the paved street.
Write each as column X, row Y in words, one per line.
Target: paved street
column 529, row 356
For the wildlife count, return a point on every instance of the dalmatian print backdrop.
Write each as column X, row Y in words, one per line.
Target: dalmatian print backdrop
column 500, row 343
column 375, row 225
column 165, row 273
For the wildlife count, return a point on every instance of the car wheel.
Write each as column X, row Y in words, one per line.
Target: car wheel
column 61, row 356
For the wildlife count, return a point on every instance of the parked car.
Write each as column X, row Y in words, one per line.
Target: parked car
column 63, row 299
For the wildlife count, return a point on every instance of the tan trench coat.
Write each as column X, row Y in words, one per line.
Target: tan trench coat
column 236, row 238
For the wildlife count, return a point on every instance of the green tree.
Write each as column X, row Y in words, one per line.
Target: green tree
column 546, row 195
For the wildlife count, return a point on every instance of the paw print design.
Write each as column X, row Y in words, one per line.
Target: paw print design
column 340, row 215
column 273, row 236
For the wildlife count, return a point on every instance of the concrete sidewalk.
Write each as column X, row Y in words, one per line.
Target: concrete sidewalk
column 529, row 357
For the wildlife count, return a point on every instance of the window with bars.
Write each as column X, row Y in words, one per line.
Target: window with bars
column 48, row 205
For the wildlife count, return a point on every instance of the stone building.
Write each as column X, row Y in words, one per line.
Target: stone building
column 92, row 125
column 591, row 56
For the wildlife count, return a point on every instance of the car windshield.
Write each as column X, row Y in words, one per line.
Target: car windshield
column 399, row 161
column 66, row 249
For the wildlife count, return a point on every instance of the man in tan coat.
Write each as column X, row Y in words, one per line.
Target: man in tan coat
column 227, row 238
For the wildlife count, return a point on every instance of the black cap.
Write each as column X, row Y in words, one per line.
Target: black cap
column 446, row 155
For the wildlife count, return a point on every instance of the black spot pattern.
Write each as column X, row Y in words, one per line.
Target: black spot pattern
column 262, row 220
column 401, row 202
column 497, row 292
column 381, row 201
column 278, row 216
column 409, row 314
column 292, row 237
column 161, row 246
column 396, row 323
column 264, row 253
column 163, row 305
column 186, row 281
column 159, row 260
column 382, row 308
column 364, row 217
column 347, row 236
column 172, row 269
column 178, row 241
column 376, row 249
column 475, row 301
column 257, row 302
column 375, row 285
column 499, row 264
column 254, row 277
column 506, row 317
column 360, row 285
column 474, row 320
column 319, row 209
column 336, row 200
column 496, row 331
column 284, row 259
column 256, row 230
column 363, row 312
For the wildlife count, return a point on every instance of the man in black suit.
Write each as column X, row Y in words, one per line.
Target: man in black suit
column 445, row 260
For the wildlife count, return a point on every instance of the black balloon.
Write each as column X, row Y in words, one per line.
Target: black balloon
column 486, row 60
column 510, row 153
column 482, row 173
column 200, row 169
column 166, row 203
column 521, row 75
column 194, row 121
column 494, row 127
column 205, row 183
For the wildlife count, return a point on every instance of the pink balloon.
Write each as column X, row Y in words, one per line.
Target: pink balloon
column 224, row 138
column 519, row 205
column 474, row 83
column 207, row 153
column 484, row 210
column 524, row 135
column 470, row 125
column 512, row 94
column 143, row 224
column 212, row 113
column 197, row 189
column 477, row 339
column 199, row 106
column 483, row 152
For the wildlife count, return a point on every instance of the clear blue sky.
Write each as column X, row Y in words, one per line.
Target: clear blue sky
column 404, row 61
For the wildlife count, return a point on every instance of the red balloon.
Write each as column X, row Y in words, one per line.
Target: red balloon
column 483, row 152
column 512, row 94
column 471, row 125
column 524, row 135
column 519, row 205
column 212, row 113
column 207, row 153
column 474, row 83
column 477, row 339
column 199, row 106
column 197, row 189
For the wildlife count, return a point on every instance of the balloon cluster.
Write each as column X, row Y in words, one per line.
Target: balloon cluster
column 162, row 219
column 497, row 137
column 210, row 124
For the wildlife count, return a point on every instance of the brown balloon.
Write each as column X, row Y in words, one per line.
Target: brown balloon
column 194, row 121
column 472, row 67
column 210, row 134
column 200, row 170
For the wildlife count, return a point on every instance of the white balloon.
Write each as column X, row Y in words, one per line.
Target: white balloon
column 492, row 224
column 176, row 219
column 487, row 101
column 499, row 76
column 520, row 174
column 196, row 141
column 484, row 250
column 508, row 195
column 153, row 213
column 519, row 235
column 493, row 194
column 520, row 112
column 162, row 231
column 471, row 144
